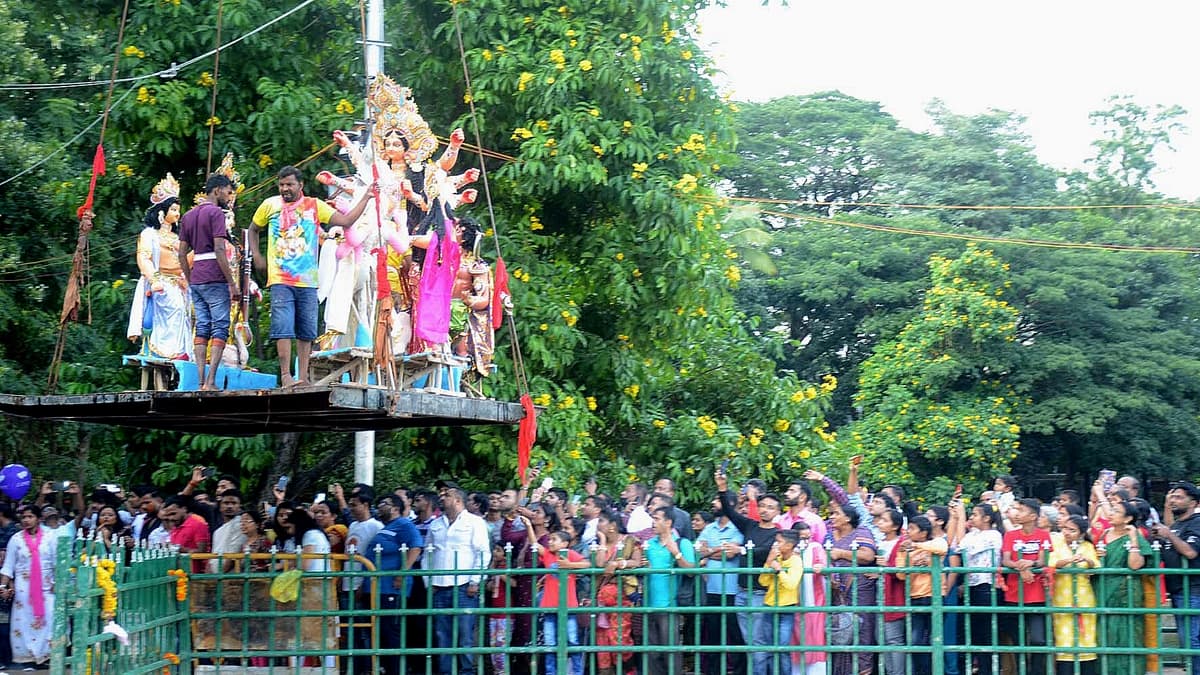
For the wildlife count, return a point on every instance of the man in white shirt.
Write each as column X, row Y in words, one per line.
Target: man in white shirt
column 228, row 538
column 457, row 540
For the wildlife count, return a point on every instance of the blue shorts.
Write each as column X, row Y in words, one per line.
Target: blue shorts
column 293, row 313
column 212, row 310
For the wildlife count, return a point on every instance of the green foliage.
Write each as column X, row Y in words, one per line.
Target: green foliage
column 937, row 405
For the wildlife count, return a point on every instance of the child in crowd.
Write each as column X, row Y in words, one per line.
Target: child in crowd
column 782, row 581
column 498, row 596
column 558, row 555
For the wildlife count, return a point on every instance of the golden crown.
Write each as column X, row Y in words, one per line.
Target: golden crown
column 164, row 190
column 394, row 111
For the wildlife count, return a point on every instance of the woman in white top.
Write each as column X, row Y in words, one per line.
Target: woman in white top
column 306, row 537
column 980, row 547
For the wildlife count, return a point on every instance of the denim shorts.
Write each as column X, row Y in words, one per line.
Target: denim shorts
column 212, row 310
column 293, row 313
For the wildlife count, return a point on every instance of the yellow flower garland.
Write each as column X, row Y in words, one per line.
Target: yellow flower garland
column 104, row 580
column 181, row 584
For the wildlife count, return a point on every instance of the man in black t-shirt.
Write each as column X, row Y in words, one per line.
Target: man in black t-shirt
column 1181, row 549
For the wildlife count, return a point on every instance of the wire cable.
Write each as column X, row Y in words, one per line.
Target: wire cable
column 166, row 72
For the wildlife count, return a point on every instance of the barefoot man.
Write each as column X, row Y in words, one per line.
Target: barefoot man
column 293, row 223
column 209, row 276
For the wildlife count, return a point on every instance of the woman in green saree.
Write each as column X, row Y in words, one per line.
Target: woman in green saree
column 1124, row 549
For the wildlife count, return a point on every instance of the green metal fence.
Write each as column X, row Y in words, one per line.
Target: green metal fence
column 229, row 620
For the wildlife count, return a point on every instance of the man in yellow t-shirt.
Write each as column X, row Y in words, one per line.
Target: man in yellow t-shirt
column 294, row 233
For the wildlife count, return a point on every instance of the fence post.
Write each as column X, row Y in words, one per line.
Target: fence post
column 937, row 617
column 64, row 555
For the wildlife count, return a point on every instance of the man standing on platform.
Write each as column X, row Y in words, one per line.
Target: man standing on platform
column 294, row 233
column 210, row 279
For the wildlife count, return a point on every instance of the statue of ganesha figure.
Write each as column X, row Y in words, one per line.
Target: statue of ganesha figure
column 413, row 189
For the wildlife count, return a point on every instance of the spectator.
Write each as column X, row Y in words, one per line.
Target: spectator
column 618, row 552
column 941, row 517
column 147, row 521
column 498, row 588
column 513, row 534
column 1124, row 549
column 923, row 543
column 980, row 546
column 494, row 517
column 591, row 509
column 681, row 518
column 1068, row 496
column 760, row 536
column 307, row 541
column 256, row 540
column 701, row 520
column 397, row 546
column 1074, row 592
column 718, row 548
column 557, row 554
column 799, row 503
column 666, row 550
column 8, row 528
column 228, row 539
column 889, row 524
column 27, row 578
column 637, row 519
column 457, row 541
column 1005, row 497
column 187, row 530
column 1181, row 549
column 852, row 546
column 1024, row 552
column 782, row 580
column 323, row 515
column 810, row 625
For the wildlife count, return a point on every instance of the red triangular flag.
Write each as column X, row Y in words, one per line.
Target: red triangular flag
column 526, row 435
column 500, row 293
column 97, row 170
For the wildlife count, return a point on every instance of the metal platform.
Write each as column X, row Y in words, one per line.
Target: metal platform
column 338, row 407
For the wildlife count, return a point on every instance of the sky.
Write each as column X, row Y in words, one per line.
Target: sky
column 1052, row 61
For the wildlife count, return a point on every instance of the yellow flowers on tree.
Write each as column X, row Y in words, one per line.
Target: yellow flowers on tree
column 939, row 407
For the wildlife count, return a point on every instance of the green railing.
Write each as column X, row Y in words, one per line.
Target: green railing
column 230, row 620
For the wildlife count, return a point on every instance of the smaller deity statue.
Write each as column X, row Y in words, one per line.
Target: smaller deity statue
column 160, row 314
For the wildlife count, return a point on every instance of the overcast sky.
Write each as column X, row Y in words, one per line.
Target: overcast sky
column 1053, row 61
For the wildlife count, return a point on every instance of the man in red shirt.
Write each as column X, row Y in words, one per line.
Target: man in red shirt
column 1025, row 551
column 189, row 531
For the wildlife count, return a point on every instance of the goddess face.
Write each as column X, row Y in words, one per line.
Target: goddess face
column 394, row 148
column 172, row 215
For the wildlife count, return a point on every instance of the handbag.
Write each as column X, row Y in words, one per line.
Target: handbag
column 842, row 625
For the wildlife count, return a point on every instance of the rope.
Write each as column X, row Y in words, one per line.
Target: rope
column 212, row 110
column 986, row 239
column 518, row 360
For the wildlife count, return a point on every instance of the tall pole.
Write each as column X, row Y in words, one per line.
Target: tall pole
column 373, row 44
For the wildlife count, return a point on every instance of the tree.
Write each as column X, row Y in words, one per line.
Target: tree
column 937, row 400
column 1132, row 134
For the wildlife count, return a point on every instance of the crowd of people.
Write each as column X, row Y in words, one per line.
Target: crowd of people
column 858, row 570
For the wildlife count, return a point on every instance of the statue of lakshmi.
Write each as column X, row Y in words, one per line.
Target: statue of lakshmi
column 160, row 314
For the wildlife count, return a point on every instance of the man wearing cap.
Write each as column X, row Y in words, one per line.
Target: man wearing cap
column 1181, row 548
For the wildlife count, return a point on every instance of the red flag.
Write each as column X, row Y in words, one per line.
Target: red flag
column 500, row 293
column 97, row 170
column 526, row 434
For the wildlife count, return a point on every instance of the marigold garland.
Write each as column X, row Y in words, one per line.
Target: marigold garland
column 181, row 584
column 171, row 658
column 104, row 580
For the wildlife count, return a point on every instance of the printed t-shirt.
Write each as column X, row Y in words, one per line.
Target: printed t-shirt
column 1188, row 530
column 198, row 227
column 550, row 593
column 292, row 249
column 1025, row 547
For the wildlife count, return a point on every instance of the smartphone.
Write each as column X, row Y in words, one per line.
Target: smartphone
column 282, row 484
column 541, row 464
column 575, row 499
column 725, row 466
column 110, row 487
column 547, row 483
column 64, row 485
column 208, row 473
column 1108, row 478
column 320, row 498
column 958, row 490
